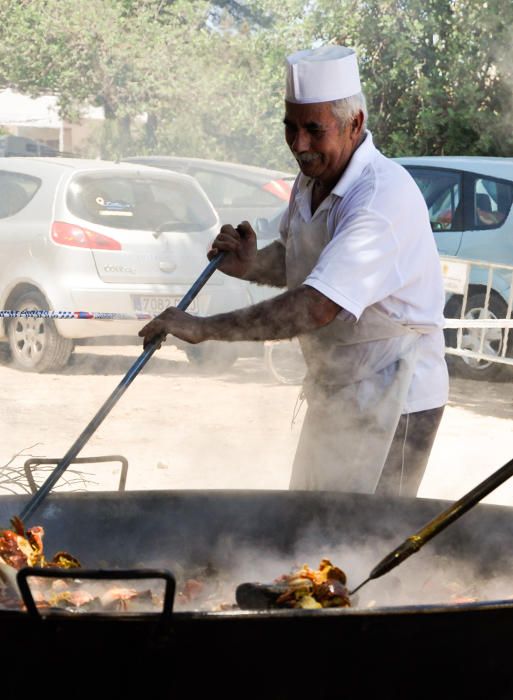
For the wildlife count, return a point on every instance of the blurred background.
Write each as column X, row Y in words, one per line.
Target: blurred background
column 198, row 78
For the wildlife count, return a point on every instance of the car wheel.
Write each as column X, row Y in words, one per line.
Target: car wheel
column 35, row 344
column 212, row 356
column 469, row 367
column 284, row 360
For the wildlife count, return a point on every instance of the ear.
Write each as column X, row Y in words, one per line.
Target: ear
column 357, row 125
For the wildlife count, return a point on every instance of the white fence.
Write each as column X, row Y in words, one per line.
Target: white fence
column 484, row 301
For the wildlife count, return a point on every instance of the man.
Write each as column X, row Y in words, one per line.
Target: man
column 365, row 293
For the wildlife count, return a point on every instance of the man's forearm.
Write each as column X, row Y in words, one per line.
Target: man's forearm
column 285, row 316
column 269, row 266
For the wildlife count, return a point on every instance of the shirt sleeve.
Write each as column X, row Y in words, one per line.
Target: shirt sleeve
column 358, row 267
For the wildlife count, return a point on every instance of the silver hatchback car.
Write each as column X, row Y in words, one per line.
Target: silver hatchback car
column 96, row 236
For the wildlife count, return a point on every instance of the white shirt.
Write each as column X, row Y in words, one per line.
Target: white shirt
column 380, row 250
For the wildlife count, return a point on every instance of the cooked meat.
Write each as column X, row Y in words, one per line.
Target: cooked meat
column 315, row 588
column 303, row 588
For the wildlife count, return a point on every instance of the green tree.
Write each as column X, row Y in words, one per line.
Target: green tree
column 205, row 78
column 436, row 72
column 97, row 52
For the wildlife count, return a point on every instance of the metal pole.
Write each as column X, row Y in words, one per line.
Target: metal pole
column 129, row 377
column 413, row 543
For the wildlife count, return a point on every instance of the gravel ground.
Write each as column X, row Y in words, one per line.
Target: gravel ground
column 180, row 428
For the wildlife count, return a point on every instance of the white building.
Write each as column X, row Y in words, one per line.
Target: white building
column 38, row 118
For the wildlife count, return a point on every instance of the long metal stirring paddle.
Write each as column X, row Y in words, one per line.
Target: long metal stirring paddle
column 414, row 542
column 129, row 377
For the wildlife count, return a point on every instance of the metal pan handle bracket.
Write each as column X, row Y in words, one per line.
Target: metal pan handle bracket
column 24, row 574
column 30, row 464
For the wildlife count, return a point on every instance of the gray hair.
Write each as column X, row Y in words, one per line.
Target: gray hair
column 347, row 108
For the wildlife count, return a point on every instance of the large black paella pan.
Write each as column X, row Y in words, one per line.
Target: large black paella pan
column 441, row 623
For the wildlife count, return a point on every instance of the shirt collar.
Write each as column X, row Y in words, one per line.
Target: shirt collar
column 363, row 155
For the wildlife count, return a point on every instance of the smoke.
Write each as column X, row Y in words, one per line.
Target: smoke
column 429, row 579
column 259, row 539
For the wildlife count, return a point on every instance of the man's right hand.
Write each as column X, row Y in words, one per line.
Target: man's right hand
column 240, row 246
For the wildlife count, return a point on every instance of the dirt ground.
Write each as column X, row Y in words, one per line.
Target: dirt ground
column 180, row 428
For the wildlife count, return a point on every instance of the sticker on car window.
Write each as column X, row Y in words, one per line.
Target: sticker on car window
column 114, row 207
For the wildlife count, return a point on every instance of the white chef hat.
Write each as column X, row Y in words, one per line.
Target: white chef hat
column 322, row 75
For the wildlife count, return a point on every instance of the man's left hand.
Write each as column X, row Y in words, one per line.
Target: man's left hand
column 175, row 322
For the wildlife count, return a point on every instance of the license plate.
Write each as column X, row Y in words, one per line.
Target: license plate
column 157, row 304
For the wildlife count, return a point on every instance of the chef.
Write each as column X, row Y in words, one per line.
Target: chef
column 364, row 291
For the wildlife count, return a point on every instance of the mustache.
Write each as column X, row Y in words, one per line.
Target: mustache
column 305, row 157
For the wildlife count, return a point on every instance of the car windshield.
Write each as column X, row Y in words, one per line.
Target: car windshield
column 133, row 202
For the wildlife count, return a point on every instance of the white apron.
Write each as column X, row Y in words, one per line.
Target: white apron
column 358, row 376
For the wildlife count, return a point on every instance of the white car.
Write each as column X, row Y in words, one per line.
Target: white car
column 97, row 236
column 238, row 192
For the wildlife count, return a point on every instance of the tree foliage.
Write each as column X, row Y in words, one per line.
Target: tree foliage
column 205, row 78
column 437, row 73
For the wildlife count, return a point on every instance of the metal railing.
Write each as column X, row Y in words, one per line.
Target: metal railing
column 485, row 337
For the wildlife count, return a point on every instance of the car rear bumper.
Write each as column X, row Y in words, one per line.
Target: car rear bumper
column 145, row 302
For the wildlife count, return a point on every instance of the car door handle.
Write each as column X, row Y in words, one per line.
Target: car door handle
column 167, row 267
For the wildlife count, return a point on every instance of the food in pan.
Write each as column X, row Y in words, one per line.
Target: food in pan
column 197, row 589
column 94, row 597
column 20, row 548
column 324, row 587
column 200, row 587
column 196, row 586
column 303, row 588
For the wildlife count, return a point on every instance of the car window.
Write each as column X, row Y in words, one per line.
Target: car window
column 491, row 202
column 135, row 202
column 442, row 190
column 16, row 191
column 226, row 190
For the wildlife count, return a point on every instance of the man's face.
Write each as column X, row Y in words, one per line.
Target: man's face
column 321, row 148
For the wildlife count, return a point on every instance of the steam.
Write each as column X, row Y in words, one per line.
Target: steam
column 427, row 579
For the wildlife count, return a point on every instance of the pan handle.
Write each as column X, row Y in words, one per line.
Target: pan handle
column 37, row 462
column 24, row 574
column 414, row 542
